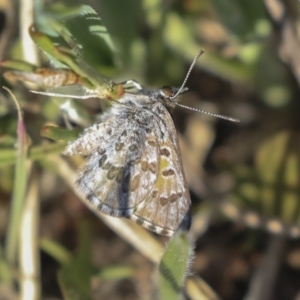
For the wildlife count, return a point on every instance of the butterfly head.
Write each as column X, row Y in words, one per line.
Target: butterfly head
column 170, row 95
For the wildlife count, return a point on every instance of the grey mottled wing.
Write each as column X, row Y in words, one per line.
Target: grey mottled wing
column 133, row 169
column 168, row 206
column 119, row 171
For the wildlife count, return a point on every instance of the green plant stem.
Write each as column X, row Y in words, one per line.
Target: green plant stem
column 21, row 170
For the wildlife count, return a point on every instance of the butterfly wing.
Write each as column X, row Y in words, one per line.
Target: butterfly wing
column 121, row 166
column 168, row 206
column 133, row 169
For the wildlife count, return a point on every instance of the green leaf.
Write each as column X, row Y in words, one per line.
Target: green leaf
column 173, row 267
column 84, row 26
column 57, row 134
column 123, row 26
column 82, row 30
column 74, row 277
column 116, row 272
column 57, row 251
column 18, row 65
column 20, row 186
column 8, row 156
column 6, row 272
column 60, row 53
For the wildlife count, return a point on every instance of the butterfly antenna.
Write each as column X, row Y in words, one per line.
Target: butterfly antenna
column 209, row 113
column 188, row 73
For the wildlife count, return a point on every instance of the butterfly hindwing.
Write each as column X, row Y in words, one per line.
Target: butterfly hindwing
column 167, row 207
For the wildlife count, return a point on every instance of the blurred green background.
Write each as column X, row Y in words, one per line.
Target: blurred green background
column 243, row 177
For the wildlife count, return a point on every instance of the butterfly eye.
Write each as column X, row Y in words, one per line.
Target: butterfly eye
column 167, row 92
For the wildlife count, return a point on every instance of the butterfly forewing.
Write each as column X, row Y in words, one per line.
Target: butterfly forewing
column 118, row 173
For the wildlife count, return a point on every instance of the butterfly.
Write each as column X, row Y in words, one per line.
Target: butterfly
column 133, row 165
